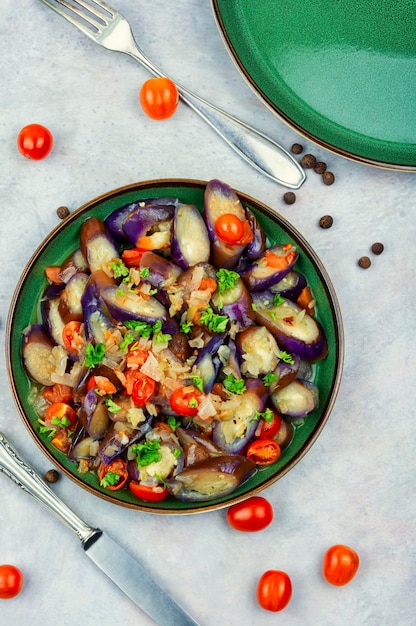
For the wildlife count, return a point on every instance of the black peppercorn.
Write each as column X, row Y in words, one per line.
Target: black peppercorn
column 377, row 248
column 326, row 221
column 308, row 161
column 289, row 197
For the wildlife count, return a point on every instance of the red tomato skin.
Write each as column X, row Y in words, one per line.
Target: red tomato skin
column 60, row 410
column 143, row 389
column 118, row 466
column 180, row 398
column 35, row 141
column 274, row 590
column 251, row 515
column 267, row 430
column 263, row 451
column 147, row 493
column 159, row 98
column 11, row 581
column 340, row 565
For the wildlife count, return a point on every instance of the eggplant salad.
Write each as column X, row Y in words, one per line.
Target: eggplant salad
column 174, row 348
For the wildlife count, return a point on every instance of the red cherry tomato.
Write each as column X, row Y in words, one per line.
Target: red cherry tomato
column 114, row 475
column 148, row 493
column 267, row 430
column 35, row 141
column 60, row 415
column 11, row 581
column 132, row 256
column 263, row 451
column 185, row 400
column 252, row 515
column 274, row 590
column 159, row 98
column 230, row 229
column 143, row 389
column 72, row 337
column 340, row 565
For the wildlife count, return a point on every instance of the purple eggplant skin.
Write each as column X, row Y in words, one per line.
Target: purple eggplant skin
column 220, row 199
column 92, row 292
column 97, row 245
column 93, row 415
column 290, row 286
column 234, row 432
column 190, row 240
column 114, row 222
column 145, row 219
column 70, row 300
column 37, row 349
column 286, row 372
column 115, row 442
column 208, row 362
column 237, row 304
column 260, row 275
column 197, row 447
column 213, row 478
column 96, row 325
column 49, row 310
column 130, row 306
column 256, row 247
column 162, row 271
column 74, row 264
column 297, row 399
column 295, row 331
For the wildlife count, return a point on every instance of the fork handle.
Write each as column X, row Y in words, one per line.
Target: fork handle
column 260, row 151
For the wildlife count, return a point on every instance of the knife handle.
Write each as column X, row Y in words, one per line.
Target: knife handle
column 25, row 477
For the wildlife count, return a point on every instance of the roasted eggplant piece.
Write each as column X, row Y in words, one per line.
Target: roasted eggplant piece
column 37, row 354
column 256, row 247
column 162, row 272
column 237, row 304
column 74, row 264
column 258, row 351
column 125, row 305
column 93, row 415
column 287, row 370
column 149, row 226
column 290, row 286
column 295, row 330
column 190, row 240
column 213, row 478
column 270, row 268
column 220, row 199
column 97, row 245
column 115, row 221
column 119, row 437
column 197, row 447
column 297, row 399
column 70, row 300
column 208, row 362
column 49, row 309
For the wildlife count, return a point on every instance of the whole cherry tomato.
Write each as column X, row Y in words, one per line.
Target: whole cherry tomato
column 147, row 492
column 340, row 565
column 263, row 451
column 159, row 98
column 11, row 581
column 274, row 590
column 35, row 141
column 185, row 400
column 230, row 229
column 143, row 389
column 251, row 515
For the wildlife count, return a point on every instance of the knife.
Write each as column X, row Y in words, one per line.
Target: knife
column 112, row 559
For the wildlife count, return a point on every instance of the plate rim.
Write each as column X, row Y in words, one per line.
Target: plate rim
column 324, row 279
column 284, row 117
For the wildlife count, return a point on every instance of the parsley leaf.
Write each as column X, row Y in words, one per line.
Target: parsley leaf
column 49, row 431
column 233, row 384
column 193, row 402
column 267, row 415
column 141, row 328
column 286, row 357
column 214, row 322
column 127, row 340
column 146, row 453
column 119, row 269
column 110, row 478
column 227, row 279
column 270, row 378
column 186, row 327
column 173, row 422
column 94, row 354
column 277, row 299
column 198, row 381
column 61, row 422
column 144, row 272
column 112, row 406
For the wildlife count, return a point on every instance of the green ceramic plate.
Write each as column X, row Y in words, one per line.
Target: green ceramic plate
column 55, row 249
column 340, row 72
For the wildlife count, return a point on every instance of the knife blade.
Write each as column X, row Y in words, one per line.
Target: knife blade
column 127, row 573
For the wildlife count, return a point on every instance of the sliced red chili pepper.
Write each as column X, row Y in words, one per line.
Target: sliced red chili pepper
column 143, row 389
column 185, row 400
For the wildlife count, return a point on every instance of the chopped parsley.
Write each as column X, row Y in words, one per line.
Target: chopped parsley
column 112, row 406
column 214, row 322
column 227, row 279
column 144, row 272
column 198, row 381
column 267, row 415
column 278, row 299
column 146, row 330
column 46, row 430
column 119, row 269
column 94, row 354
column 193, row 403
column 61, row 422
column 286, row 357
column 270, row 378
column 173, row 422
column 127, row 340
column 254, row 306
column 186, row 327
column 110, row 479
column 233, row 384
column 146, row 453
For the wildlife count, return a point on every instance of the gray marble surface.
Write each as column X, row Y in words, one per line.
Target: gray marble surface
column 356, row 484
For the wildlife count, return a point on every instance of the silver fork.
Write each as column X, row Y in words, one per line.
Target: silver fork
column 110, row 29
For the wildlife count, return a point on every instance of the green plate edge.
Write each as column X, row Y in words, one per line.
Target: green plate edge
column 65, row 237
column 254, row 41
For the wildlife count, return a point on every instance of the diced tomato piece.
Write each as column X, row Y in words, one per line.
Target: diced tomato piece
column 114, row 475
column 132, row 257
column 278, row 262
column 53, row 274
column 306, row 300
column 60, row 415
column 72, row 336
column 58, row 393
column 147, row 492
column 102, row 384
column 61, row 441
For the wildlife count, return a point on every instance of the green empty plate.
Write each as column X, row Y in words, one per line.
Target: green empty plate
column 342, row 73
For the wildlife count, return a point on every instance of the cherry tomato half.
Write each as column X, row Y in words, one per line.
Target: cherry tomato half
column 274, row 590
column 147, row 492
column 35, row 141
column 114, row 475
column 340, row 565
column 132, row 256
column 185, row 400
column 251, row 515
column 267, row 430
column 60, row 415
column 11, row 581
column 143, row 389
column 72, row 337
column 230, row 229
column 263, row 451
column 159, row 98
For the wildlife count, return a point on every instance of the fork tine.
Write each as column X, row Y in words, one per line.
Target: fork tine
column 91, row 7
column 102, row 5
column 71, row 18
